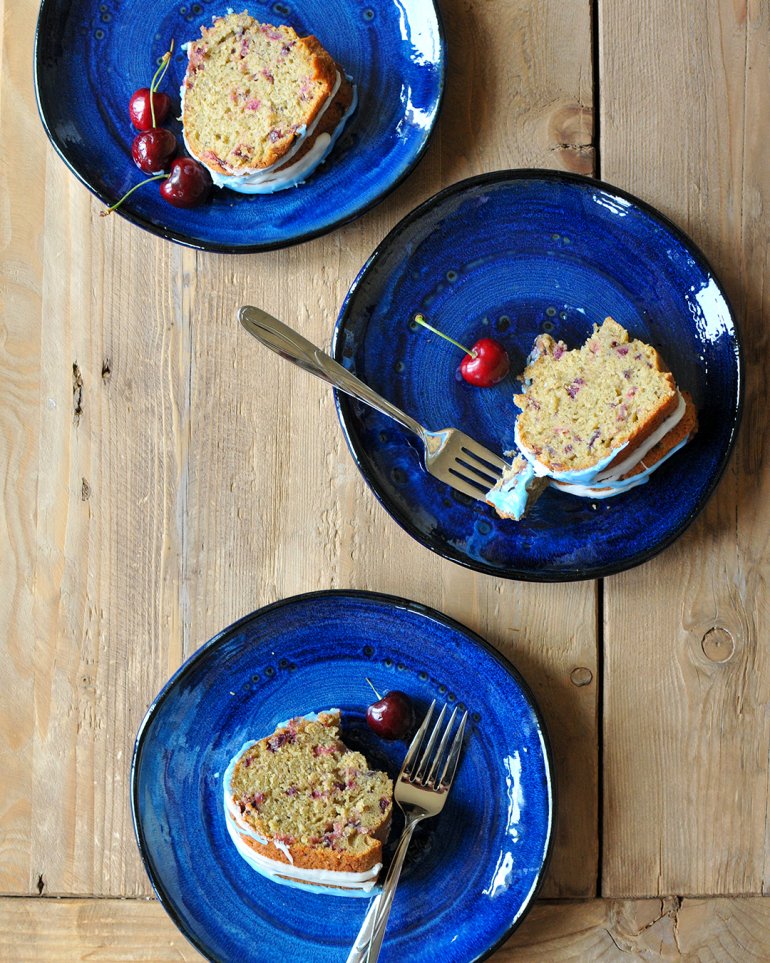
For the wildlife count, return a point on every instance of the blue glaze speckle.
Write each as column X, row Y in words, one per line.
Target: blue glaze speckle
column 625, row 260
column 494, row 833
column 85, row 75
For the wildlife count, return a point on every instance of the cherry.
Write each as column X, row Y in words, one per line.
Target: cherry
column 140, row 111
column 188, row 184
column 153, row 149
column 484, row 365
column 391, row 716
column 148, row 108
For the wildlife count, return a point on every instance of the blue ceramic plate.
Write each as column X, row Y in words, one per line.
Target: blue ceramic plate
column 90, row 56
column 470, row 874
column 509, row 255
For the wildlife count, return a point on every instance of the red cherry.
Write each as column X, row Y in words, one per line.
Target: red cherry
column 486, row 364
column 188, row 184
column 392, row 716
column 140, row 112
column 152, row 150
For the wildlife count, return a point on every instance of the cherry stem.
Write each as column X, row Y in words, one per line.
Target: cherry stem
column 158, row 76
column 421, row 320
column 155, row 177
column 375, row 691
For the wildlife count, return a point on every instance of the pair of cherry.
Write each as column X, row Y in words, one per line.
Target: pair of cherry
column 186, row 183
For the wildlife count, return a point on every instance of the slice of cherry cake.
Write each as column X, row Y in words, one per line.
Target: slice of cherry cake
column 594, row 421
column 308, row 809
column 579, row 407
column 261, row 106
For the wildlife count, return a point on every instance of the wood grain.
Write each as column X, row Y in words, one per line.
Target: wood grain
column 696, row 930
column 685, row 736
column 95, row 362
column 160, row 479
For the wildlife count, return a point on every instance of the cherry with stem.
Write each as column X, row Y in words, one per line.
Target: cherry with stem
column 392, row 715
column 148, row 107
column 484, row 365
column 186, row 185
column 158, row 76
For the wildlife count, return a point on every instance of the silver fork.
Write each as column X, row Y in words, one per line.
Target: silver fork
column 450, row 455
column 421, row 790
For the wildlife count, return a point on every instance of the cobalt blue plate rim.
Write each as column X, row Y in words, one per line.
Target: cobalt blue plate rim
column 185, row 239
column 359, row 453
column 380, row 598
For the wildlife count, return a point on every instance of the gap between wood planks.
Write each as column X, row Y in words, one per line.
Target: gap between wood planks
column 596, row 138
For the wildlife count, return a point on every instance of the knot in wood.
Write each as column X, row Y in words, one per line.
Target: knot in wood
column 718, row 644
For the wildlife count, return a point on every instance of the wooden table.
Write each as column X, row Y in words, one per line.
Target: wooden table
column 146, row 502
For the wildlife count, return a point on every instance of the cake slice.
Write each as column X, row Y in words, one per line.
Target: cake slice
column 594, row 421
column 261, row 106
column 304, row 809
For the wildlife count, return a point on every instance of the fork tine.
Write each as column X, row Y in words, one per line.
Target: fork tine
column 450, row 767
column 426, row 753
column 414, row 745
column 474, row 489
column 485, row 474
column 495, row 462
column 441, row 747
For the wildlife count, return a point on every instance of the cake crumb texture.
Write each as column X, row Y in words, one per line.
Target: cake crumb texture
column 303, row 789
column 251, row 89
column 579, row 405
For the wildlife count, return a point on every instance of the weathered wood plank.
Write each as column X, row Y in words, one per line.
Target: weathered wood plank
column 687, row 673
column 697, row 930
column 95, row 364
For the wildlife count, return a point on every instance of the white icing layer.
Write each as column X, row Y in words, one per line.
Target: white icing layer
column 355, row 884
column 268, row 180
column 647, row 445
column 511, row 493
column 599, row 481
column 574, row 475
column 618, row 487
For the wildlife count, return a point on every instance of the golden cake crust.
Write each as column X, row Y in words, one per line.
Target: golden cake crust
column 686, row 427
column 310, row 857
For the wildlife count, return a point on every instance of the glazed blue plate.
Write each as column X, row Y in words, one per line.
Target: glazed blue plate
column 90, row 56
column 471, row 873
column 510, row 255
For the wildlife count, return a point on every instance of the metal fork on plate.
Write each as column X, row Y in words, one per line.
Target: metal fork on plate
column 450, row 455
column 421, row 790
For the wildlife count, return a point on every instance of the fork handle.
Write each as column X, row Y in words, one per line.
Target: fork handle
column 279, row 337
column 367, row 946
